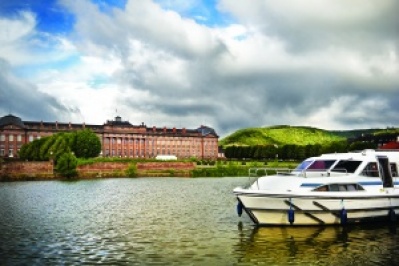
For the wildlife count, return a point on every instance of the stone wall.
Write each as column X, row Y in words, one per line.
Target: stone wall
column 157, row 169
column 103, row 169
column 166, row 166
column 16, row 171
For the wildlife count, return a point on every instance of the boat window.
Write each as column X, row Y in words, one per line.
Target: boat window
column 339, row 187
column 302, row 166
column 321, row 188
column 346, row 166
column 371, row 170
column 333, row 187
column 351, row 187
column 321, row 165
column 394, row 170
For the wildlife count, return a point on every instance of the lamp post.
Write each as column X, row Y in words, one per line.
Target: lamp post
column 52, row 162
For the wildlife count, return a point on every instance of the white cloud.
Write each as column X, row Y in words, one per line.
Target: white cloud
column 281, row 62
column 15, row 34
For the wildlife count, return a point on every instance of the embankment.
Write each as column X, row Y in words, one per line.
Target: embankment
column 21, row 171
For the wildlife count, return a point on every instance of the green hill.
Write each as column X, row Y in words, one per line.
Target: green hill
column 298, row 135
column 280, row 135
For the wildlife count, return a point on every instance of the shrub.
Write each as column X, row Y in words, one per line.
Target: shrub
column 131, row 171
column 66, row 165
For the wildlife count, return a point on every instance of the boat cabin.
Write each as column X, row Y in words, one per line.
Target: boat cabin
column 367, row 163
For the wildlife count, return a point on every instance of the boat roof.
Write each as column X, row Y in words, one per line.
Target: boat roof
column 360, row 155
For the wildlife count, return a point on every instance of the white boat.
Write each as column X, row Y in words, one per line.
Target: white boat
column 334, row 188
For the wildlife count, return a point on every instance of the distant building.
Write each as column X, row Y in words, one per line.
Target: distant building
column 118, row 138
column 392, row 145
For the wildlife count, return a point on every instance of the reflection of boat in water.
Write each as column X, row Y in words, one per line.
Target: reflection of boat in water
column 329, row 189
column 318, row 245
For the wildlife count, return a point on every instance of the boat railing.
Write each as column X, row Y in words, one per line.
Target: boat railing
column 264, row 171
column 255, row 173
column 323, row 172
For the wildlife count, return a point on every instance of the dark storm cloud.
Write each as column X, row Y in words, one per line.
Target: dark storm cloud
column 23, row 99
column 328, row 64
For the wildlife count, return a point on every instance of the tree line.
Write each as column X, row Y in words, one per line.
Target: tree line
column 292, row 151
column 64, row 149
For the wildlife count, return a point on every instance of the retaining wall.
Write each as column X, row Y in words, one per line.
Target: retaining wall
column 15, row 171
column 18, row 171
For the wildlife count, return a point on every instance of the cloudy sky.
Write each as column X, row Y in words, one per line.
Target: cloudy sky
column 227, row 64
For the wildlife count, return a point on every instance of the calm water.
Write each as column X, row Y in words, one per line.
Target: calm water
column 166, row 221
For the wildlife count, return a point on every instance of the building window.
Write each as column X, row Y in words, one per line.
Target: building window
column 19, row 138
column 1, row 152
column 10, row 137
column 2, row 137
column 30, row 138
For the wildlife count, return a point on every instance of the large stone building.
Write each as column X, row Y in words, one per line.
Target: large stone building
column 118, row 138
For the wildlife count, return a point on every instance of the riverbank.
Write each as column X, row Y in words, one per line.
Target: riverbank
column 29, row 171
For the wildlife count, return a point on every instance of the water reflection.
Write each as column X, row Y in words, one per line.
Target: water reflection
column 166, row 221
column 329, row 245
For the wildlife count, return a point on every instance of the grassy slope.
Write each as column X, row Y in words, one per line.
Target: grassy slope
column 295, row 135
column 279, row 135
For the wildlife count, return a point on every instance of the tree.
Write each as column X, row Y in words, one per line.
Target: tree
column 85, row 144
column 45, row 151
column 66, row 165
column 362, row 145
column 60, row 146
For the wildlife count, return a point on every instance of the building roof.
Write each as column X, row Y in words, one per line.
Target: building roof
column 117, row 123
column 204, row 130
column 11, row 120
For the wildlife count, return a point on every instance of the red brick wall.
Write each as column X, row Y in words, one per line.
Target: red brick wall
column 44, row 170
column 26, row 170
column 109, row 166
column 166, row 166
column 108, row 169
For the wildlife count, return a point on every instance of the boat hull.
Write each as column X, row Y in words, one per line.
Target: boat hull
column 300, row 210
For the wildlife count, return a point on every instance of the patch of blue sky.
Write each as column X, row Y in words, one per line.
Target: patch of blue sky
column 50, row 16
column 34, row 69
column 98, row 81
column 204, row 12
column 106, row 6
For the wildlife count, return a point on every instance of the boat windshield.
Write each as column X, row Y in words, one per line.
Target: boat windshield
column 346, row 166
column 371, row 170
column 303, row 165
column 315, row 165
column 321, row 164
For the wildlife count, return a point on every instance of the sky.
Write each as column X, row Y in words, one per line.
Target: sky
column 227, row 64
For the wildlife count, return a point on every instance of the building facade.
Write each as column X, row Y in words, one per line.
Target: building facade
column 118, row 138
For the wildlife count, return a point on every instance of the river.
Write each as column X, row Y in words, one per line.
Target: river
column 167, row 221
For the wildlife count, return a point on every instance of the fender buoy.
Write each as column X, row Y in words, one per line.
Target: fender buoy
column 239, row 208
column 291, row 216
column 392, row 215
column 344, row 216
